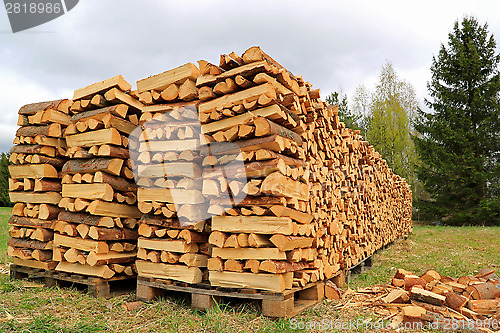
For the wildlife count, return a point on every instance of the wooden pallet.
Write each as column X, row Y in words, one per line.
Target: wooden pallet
column 278, row 305
column 95, row 286
column 23, row 272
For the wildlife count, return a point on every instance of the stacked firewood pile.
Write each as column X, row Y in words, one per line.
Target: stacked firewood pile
column 295, row 196
column 168, row 167
column 246, row 179
column 317, row 197
column 466, row 303
column 35, row 183
column 96, row 234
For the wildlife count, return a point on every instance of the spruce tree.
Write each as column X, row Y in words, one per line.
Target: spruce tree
column 345, row 115
column 4, row 180
column 458, row 141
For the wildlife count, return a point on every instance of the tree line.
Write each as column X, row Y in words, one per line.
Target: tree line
column 449, row 154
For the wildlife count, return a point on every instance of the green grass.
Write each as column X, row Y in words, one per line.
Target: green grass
column 4, row 233
column 449, row 250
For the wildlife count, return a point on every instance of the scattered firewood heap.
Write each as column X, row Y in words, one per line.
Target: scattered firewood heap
column 468, row 303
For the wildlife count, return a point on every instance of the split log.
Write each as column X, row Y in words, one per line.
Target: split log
column 194, row 260
column 119, row 110
column 169, row 245
column 281, row 211
column 29, row 222
column 80, row 244
column 52, row 130
column 109, row 165
column 253, row 224
column 249, row 253
column 103, row 208
column 42, row 255
column 279, row 185
column 280, row 267
column 33, row 149
column 412, row 280
column 95, row 191
column 170, row 272
column 270, row 282
column 232, row 265
column 113, row 151
column 47, row 185
column 29, row 244
column 188, row 91
column 422, row 295
column 486, row 307
column 215, row 264
column 86, row 219
column 170, row 93
column 48, row 212
column 117, row 96
column 332, row 291
column 40, row 159
column 169, row 223
column 98, row 233
column 52, row 198
column 431, row 275
column 100, row 137
column 94, row 259
column 287, row 243
column 455, row 301
column 192, row 236
column 265, row 127
column 487, row 290
column 396, row 296
column 117, row 183
column 99, row 87
column 256, row 240
column 33, row 108
column 36, row 171
column 101, row 271
column 174, row 76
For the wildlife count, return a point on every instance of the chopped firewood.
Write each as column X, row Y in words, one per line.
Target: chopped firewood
column 419, row 294
column 396, row 296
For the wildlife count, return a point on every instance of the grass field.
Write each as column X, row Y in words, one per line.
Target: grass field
column 452, row 251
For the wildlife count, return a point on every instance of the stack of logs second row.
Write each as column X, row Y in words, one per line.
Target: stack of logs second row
column 268, row 177
column 96, row 233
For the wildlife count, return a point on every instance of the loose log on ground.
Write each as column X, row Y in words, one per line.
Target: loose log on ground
column 102, row 271
column 280, row 267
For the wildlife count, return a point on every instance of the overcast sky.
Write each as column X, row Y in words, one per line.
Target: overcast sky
column 335, row 45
